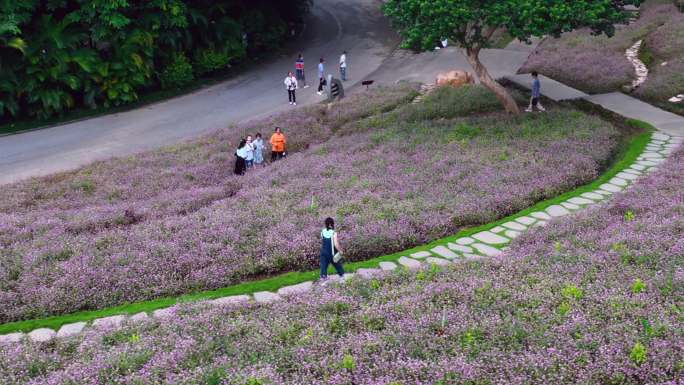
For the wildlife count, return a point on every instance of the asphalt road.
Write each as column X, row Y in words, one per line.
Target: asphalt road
column 356, row 26
column 333, row 26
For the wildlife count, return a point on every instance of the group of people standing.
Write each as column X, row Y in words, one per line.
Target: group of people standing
column 292, row 80
column 250, row 152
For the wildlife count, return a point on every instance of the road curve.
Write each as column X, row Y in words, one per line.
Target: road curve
column 333, row 25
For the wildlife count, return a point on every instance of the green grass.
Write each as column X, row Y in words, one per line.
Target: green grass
column 628, row 151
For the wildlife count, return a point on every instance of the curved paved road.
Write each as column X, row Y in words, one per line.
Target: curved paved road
column 334, row 25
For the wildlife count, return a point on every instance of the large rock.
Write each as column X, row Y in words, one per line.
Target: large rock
column 454, row 78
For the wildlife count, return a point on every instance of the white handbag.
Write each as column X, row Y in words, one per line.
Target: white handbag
column 337, row 257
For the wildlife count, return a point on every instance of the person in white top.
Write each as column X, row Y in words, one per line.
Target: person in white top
column 291, row 85
column 343, row 66
column 249, row 152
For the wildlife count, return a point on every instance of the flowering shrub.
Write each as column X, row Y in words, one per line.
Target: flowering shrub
column 177, row 220
column 558, row 308
column 597, row 64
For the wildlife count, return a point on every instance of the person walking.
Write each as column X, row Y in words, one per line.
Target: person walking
column 321, row 78
column 240, row 155
column 291, row 85
column 536, row 94
column 330, row 247
column 258, row 150
column 277, row 144
column 343, row 66
column 249, row 150
column 299, row 71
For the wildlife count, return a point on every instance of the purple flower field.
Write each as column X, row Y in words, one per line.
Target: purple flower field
column 595, row 298
column 177, row 220
column 597, row 64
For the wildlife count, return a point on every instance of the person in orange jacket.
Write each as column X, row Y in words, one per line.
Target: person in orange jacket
column 277, row 145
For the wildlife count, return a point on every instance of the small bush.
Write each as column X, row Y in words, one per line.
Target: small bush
column 638, row 353
column 638, row 286
column 210, row 60
column 178, row 73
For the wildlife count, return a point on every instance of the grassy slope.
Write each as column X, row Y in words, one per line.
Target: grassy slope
column 627, row 154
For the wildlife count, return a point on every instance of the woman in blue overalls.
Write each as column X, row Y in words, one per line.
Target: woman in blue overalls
column 328, row 239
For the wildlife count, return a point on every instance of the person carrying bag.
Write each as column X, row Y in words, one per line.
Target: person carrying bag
column 331, row 252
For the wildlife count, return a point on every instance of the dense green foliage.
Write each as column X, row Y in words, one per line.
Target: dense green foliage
column 56, row 55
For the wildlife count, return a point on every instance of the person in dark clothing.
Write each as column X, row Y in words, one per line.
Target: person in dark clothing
column 321, row 76
column 330, row 246
column 299, row 71
column 240, row 156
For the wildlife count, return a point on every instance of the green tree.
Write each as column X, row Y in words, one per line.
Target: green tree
column 471, row 23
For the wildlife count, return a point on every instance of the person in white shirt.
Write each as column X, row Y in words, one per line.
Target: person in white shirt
column 343, row 66
column 291, row 85
column 249, row 158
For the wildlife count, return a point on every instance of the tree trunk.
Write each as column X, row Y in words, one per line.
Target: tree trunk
column 486, row 79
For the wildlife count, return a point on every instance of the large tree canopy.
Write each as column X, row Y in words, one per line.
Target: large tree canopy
column 471, row 23
column 56, row 55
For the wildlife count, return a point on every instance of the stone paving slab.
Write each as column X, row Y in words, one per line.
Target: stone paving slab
column 421, row 254
column 557, row 211
column 387, row 266
column 465, row 241
column 139, row 317
column 490, row 238
column 580, row 201
column 514, row 226
column 460, row 248
column 109, row 322
column 486, row 249
column 11, row 338
column 611, row 187
column 541, row 215
column 592, row 195
column 512, row 234
column 437, row 261
column 231, row 300
column 70, row 330
column 266, row 297
column 409, row 263
column 570, row 206
column 627, row 176
column 296, row 289
column 474, row 257
column 497, row 229
column 444, row 252
column 168, row 312
column 42, row 335
column 525, row 220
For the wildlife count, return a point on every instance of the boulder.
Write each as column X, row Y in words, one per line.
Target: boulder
column 454, row 78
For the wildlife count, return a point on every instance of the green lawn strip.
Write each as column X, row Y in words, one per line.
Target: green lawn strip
column 625, row 157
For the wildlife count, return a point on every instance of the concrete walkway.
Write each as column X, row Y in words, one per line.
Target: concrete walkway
column 552, row 89
column 617, row 102
column 636, row 109
column 357, row 26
